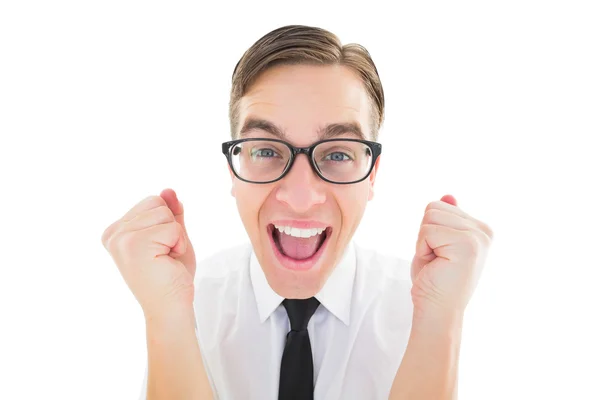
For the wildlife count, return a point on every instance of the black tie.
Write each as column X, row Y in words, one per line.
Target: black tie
column 296, row 375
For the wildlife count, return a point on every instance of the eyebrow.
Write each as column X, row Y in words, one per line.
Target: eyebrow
column 328, row 131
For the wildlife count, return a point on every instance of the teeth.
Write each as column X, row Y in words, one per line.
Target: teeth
column 297, row 232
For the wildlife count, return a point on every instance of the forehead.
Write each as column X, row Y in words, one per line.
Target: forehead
column 302, row 99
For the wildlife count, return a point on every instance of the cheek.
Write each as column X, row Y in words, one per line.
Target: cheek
column 250, row 199
column 352, row 208
column 352, row 203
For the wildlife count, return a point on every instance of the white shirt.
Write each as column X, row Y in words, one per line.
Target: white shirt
column 358, row 334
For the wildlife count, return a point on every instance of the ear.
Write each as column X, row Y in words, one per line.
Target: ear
column 232, row 180
column 372, row 178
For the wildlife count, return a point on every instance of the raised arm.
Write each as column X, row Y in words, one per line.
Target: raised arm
column 450, row 253
column 153, row 252
column 429, row 369
column 175, row 367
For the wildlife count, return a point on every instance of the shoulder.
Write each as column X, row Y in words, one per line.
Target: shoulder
column 384, row 287
column 224, row 263
column 222, row 271
column 219, row 279
column 388, row 267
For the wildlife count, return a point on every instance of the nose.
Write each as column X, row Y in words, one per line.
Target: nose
column 301, row 189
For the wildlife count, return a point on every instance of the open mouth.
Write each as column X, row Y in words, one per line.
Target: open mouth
column 298, row 248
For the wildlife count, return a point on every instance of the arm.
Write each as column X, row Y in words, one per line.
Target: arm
column 175, row 367
column 450, row 253
column 429, row 368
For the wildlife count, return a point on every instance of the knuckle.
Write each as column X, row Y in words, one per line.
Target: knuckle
column 426, row 229
column 149, row 203
column 473, row 242
column 109, row 234
column 489, row 232
column 487, row 238
column 164, row 214
column 437, row 204
column 158, row 201
column 123, row 242
column 431, row 215
column 154, row 200
column 110, row 243
column 430, row 206
column 105, row 238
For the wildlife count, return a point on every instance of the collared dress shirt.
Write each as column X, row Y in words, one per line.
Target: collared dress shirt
column 358, row 334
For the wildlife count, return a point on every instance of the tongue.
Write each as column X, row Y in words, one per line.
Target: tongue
column 298, row 248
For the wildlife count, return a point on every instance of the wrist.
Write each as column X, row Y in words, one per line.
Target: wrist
column 435, row 320
column 169, row 316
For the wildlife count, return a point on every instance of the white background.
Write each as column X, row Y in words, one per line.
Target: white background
column 105, row 103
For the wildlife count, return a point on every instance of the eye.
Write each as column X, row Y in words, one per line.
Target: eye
column 337, row 156
column 264, row 153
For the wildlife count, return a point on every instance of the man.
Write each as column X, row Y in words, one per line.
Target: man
column 303, row 312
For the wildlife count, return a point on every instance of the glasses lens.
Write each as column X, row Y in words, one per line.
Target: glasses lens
column 343, row 160
column 260, row 160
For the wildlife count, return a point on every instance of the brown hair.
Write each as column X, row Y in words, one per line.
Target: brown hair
column 299, row 44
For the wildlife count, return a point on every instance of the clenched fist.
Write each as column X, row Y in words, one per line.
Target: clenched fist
column 451, row 251
column 151, row 248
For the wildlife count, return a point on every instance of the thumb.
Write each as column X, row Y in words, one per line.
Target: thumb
column 176, row 206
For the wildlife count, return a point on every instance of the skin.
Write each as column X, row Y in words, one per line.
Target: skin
column 300, row 99
column 450, row 252
column 451, row 245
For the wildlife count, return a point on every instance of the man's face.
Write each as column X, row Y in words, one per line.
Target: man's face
column 301, row 100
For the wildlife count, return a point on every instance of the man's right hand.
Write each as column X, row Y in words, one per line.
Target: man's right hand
column 151, row 248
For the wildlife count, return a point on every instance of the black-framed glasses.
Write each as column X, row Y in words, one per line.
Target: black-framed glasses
column 340, row 161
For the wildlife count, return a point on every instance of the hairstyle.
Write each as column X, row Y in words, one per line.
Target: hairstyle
column 299, row 44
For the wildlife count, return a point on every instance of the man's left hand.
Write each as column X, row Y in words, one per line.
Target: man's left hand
column 450, row 253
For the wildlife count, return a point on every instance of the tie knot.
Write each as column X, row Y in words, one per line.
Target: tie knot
column 300, row 311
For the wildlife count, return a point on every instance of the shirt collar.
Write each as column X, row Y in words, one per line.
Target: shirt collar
column 336, row 294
